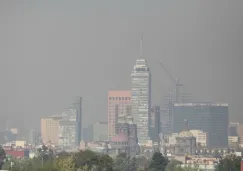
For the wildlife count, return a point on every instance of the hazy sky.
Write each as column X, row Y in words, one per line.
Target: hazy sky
column 52, row 51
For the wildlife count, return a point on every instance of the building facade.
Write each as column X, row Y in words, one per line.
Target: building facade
column 117, row 107
column 33, row 137
column 100, row 131
column 78, row 106
column 234, row 128
column 50, row 129
column 241, row 134
column 141, row 99
column 67, row 129
column 201, row 137
column 208, row 117
column 233, row 142
column 154, row 126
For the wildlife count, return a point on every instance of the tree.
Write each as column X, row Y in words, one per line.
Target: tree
column 142, row 162
column 230, row 162
column 2, row 156
column 158, row 163
column 174, row 165
column 65, row 163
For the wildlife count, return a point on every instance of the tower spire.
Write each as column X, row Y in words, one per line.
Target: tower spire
column 141, row 46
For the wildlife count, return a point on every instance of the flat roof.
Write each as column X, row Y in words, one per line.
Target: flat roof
column 201, row 104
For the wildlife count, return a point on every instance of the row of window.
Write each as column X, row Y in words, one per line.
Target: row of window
column 119, row 98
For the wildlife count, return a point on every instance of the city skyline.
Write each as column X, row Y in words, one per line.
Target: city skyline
column 48, row 59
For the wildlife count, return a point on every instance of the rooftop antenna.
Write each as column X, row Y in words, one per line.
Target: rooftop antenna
column 141, row 46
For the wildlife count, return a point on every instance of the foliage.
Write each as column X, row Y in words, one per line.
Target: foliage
column 91, row 161
column 230, row 162
column 124, row 163
column 158, row 163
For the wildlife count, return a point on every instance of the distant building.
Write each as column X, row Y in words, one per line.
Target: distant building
column 117, row 106
column 50, row 129
column 88, row 133
column 185, row 142
column 233, row 129
column 125, row 141
column 241, row 134
column 141, row 98
column 100, row 131
column 154, row 126
column 128, row 129
column 14, row 131
column 233, row 141
column 67, row 129
column 201, row 137
column 33, row 137
column 78, row 106
column 172, row 139
column 208, row 117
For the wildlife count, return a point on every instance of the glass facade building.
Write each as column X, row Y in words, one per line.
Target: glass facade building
column 208, row 117
column 141, row 99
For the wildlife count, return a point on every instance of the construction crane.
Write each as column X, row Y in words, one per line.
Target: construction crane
column 175, row 81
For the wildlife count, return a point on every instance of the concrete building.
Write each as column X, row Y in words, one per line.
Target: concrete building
column 172, row 139
column 154, row 127
column 185, row 142
column 67, row 129
column 67, row 134
column 78, row 106
column 233, row 129
column 201, row 137
column 117, row 106
column 233, row 141
column 50, row 129
column 141, row 99
column 241, row 134
column 100, row 131
column 128, row 129
column 208, row 117
column 126, row 139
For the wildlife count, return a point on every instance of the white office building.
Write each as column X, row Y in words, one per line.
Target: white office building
column 141, row 99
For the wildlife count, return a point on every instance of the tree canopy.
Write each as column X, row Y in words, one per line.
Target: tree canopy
column 91, row 161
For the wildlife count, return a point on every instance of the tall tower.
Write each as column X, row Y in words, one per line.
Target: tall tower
column 141, row 98
column 78, row 106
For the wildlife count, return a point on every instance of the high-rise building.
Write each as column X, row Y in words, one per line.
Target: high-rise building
column 208, row 117
column 33, row 137
column 141, row 99
column 100, row 131
column 67, row 129
column 117, row 107
column 154, row 127
column 78, row 106
column 50, row 129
